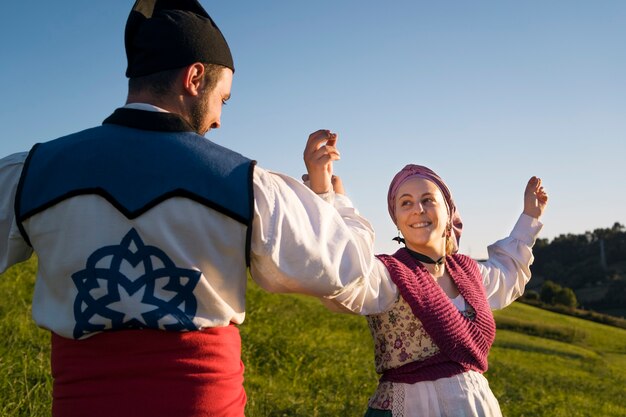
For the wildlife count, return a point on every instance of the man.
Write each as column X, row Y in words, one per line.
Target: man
column 145, row 232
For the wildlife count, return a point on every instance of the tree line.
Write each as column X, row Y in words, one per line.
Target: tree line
column 570, row 263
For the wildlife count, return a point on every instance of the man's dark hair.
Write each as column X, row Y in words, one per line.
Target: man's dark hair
column 160, row 83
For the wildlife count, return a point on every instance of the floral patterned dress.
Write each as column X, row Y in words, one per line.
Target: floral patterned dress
column 399, row 338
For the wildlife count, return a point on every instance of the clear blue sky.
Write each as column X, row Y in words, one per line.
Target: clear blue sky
column 487, row 93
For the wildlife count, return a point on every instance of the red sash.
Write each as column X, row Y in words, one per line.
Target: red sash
column 151, row 373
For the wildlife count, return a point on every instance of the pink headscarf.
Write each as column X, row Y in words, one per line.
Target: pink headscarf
column 411, row 171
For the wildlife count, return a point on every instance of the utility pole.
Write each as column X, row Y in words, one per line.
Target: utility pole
column 602, row 255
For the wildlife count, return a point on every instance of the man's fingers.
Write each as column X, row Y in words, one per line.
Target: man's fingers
column 317, row 139
column 332, row 141
column 324, row 153
column 533, row 185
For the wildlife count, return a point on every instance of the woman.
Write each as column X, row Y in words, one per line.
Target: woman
column 428, row 307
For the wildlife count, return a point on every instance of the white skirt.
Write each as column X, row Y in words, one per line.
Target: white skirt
column 463, row 395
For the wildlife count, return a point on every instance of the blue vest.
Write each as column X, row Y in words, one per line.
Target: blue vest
column 136, row 169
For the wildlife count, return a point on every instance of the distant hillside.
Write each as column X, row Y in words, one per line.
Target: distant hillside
column 592, row 264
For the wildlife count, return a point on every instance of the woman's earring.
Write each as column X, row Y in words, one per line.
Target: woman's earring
column 399, row 238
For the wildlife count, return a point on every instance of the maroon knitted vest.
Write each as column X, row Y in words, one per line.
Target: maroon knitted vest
column 463, row 343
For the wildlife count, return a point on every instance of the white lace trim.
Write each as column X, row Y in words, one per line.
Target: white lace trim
column 397, row 406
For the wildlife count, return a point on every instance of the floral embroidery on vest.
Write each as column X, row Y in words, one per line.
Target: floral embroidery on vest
column 383, row 397
column 405, row 352
column 399, row 337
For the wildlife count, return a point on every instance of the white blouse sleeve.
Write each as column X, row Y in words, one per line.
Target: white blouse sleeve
column 507, row 269
column 13, row 248
column 505, row 275
column 373, row 295
column 306, row 244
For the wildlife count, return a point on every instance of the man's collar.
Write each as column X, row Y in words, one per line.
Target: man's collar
column 145, row 106
column 149, row 120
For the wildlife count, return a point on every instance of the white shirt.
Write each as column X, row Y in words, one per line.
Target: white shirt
column 300, row 243
column 505, row 274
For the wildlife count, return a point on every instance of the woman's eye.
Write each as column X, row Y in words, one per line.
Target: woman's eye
column 405, row 203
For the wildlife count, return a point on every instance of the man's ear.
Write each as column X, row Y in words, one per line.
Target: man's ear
column 193, row 78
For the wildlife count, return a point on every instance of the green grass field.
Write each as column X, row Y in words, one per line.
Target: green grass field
column 302, row 360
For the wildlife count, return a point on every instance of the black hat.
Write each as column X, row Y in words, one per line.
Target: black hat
column 167, row 34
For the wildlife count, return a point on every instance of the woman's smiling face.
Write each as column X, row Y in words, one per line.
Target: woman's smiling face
column 422, row 216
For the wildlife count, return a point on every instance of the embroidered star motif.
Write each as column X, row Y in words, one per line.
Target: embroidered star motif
column 133, row 285
column 132, row 306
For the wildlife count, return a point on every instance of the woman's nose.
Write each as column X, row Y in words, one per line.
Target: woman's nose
column 419, row 207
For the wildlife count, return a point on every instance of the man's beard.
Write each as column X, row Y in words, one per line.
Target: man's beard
column 197, row 113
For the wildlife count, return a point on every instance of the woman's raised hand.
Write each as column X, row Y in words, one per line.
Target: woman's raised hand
column 535, row 198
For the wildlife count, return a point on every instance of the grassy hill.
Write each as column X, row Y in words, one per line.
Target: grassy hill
column 302, row 360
